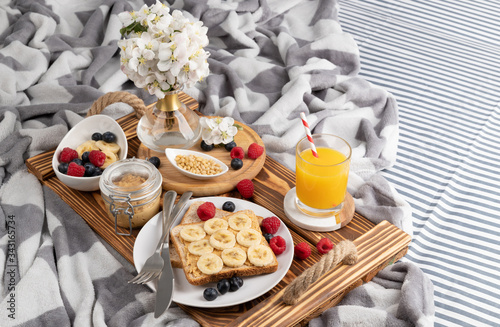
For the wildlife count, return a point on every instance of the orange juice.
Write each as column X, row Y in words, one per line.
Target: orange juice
column 321, row 182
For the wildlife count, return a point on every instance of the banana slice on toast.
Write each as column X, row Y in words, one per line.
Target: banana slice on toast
column 200, row 247
column 222, row 239
column 210, row 263
column 248, row 237
column 239, row 221
column 214, row 224
column 234, row 257
column 260, row 255
column 192, row 233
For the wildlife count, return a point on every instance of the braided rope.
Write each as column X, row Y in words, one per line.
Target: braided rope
column 345, row 251
column 114, row 97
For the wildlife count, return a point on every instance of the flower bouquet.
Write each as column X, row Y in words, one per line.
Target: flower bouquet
column 163, row 53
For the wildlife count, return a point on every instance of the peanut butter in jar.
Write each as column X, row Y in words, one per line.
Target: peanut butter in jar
column 131, row 190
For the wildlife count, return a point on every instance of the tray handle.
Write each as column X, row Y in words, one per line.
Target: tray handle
column 118, row 96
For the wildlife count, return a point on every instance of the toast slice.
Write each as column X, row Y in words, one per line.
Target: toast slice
column 191, row 216
column 258, row 257
column 175, row 259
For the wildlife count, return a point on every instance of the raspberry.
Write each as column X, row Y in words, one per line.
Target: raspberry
column 237, row 152
column 302, row 250
column 97, row 158
column 206, row 211
column 245, row 187
column 278, row 245
column 270, row 225
column 75, row 170
column 324, row 245
column 255, row 151
column 67, row 154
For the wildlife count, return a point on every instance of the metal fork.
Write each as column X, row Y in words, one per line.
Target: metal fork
column 153, row 266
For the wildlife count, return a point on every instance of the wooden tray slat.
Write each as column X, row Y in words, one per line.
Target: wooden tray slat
column 385, row 240
column 377, row 245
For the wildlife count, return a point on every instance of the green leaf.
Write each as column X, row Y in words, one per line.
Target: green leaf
column 139, row 28
column 239, row 127
column 123, row 30
column 134, row 27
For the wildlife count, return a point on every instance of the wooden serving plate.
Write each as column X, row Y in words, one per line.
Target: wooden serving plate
column 173, row 180
column 377, row 245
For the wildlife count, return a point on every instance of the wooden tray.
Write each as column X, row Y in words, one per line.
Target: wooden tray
column 172, row 180
column 377, row 245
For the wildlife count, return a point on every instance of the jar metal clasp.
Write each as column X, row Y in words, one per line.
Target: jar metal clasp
column 129, row 210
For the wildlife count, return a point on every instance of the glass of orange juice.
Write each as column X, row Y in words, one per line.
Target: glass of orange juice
column 321, row 182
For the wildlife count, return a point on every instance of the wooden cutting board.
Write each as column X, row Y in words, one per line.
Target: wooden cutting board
column 173, row 180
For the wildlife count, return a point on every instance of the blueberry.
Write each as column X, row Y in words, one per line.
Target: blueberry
column 96, row 136
column 210, row 294
column 155, row 161
column 233, row 287
column 206, row 147
column 223, row 286
column 236, row 163
column 89, row 169
column 229, row 146
column 238, row 280
column 228, row 206
column 235, row 283
column 97, row 171
column 85, row 156
column 63, row 167
column 268, row 237
column 79, row 162
column 108, row 137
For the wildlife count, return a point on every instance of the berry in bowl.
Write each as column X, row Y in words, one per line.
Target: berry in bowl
column 86, row 150
column 195, row 164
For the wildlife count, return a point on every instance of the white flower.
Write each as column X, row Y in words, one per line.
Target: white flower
column 126, row 18
column 148, row 46
column 218, row 130
column 164, row 51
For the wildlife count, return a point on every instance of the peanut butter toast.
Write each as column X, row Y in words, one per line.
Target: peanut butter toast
column 190, row 217
column 223, row 247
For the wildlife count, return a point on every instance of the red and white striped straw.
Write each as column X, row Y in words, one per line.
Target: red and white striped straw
column 308, row 134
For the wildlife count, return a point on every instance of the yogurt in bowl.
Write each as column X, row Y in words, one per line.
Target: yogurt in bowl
column 78, row 135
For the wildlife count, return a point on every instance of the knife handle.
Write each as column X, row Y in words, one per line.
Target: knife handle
column 172, row 217
column 168, row 204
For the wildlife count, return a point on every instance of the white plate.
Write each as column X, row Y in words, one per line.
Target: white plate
column 172, row 153
column 187, row 294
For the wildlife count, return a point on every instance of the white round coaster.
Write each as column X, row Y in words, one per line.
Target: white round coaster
column 302, row 220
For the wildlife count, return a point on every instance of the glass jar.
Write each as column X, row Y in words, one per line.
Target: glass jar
column 169, row 123
column 131, row 190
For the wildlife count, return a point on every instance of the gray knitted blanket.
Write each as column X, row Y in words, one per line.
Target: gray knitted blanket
column 269, row 61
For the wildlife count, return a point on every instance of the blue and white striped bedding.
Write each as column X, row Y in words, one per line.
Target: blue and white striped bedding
column 441, row 60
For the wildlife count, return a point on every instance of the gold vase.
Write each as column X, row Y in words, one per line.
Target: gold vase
column 169, row 123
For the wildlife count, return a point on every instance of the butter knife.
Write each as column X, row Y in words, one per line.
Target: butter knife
column 165, row 286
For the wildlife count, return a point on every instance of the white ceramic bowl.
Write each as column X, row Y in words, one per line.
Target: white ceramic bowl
column 80, row 133
column 172, row 153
